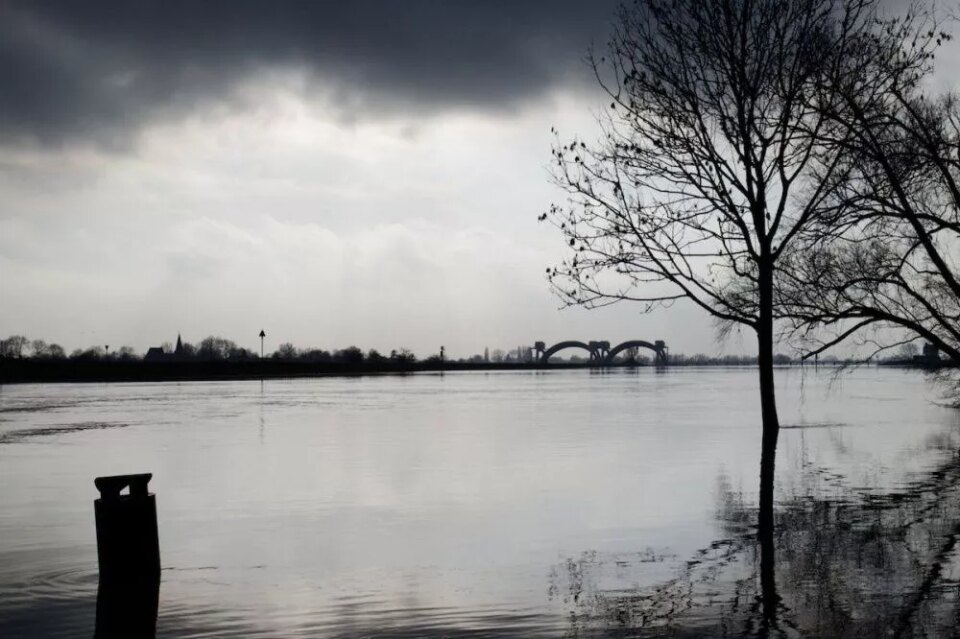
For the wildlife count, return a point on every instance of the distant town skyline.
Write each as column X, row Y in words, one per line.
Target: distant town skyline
column 335, row 174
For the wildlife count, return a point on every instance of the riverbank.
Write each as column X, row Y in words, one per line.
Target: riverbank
column 31, row 371
column 16, row 371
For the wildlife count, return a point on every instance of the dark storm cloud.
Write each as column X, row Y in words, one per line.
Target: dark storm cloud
column 101, row 69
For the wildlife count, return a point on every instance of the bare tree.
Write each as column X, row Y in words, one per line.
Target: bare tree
column 882, row 254
column 709, row 165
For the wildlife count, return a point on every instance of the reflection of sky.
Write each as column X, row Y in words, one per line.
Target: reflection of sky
column 454, row 495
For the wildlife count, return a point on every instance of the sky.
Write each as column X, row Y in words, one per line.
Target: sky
column 334, row 173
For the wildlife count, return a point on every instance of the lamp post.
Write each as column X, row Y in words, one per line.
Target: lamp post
column 262, row 335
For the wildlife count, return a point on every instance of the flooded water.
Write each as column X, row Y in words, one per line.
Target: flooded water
column 527, row 504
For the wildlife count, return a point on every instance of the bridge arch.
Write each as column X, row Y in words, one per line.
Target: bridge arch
column 659, row 348
column 559, row 346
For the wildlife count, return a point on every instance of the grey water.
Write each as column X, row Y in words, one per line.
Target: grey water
column 502, row 504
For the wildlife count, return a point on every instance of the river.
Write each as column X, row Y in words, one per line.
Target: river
column 566, row 503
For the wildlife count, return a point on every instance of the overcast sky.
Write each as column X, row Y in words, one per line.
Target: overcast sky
column 343, row 173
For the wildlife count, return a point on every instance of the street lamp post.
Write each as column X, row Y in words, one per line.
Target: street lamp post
column 262, row 335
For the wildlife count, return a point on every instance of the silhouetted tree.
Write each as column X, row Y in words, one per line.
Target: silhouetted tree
column 710, row 165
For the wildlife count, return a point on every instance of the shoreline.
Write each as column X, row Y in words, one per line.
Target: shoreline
column 28, row 371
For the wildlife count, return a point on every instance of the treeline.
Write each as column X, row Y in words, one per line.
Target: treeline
column 350, row 355
column 211, row 348
column 21, row 347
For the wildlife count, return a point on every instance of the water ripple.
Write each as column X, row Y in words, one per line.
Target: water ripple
column 15, row 436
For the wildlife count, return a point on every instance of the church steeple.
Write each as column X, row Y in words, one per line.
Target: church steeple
column 179, row 349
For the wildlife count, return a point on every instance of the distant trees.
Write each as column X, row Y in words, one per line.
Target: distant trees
column 14, row 346
column 19, row 346
column 89, row 354
column 126, row 354
column 100, row 353
column 39, row 348
column 286, row 351
column 213, row 347
column 315, row 355
column 350, row 355
column 403, row 356
column 54, row 351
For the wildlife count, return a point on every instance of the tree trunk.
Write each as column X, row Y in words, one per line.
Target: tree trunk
column 768, row 453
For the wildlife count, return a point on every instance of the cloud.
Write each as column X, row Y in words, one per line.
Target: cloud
column 74, row 71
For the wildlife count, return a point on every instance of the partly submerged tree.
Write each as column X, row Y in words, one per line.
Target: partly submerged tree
column 882, row 254
column 710, row 164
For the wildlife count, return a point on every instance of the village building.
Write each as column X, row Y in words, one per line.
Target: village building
column 156, row 354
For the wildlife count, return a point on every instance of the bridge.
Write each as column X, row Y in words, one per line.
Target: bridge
column 600, row 351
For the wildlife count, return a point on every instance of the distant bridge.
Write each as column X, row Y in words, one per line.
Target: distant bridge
column 600, row 352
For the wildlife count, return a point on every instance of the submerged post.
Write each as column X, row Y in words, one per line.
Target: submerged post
column 128, row 549
column 128, row 546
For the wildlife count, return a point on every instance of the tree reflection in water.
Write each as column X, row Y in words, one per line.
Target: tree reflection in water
column 839, row 562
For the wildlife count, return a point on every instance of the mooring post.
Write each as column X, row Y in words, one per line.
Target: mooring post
column 128, row 549
column 128, row 546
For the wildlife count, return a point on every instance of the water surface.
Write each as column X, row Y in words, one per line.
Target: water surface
column 492, row 504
